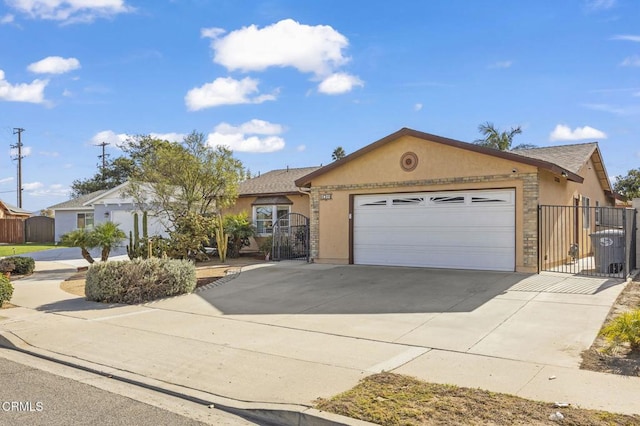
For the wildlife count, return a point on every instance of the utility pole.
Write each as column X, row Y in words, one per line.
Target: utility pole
column 103, row 157
column 18, row 146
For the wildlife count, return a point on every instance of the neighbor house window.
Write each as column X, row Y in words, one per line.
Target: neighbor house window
column 85, row 220
column 586, row 213
column 597, row 213
column 264, row 217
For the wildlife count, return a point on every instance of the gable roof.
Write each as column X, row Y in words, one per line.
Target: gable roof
column 14, row 210
column 572, row 157
column 507, row 155
column 280, row 181
column 79, row 202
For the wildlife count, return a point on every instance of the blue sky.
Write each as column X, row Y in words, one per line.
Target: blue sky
column 284, row 82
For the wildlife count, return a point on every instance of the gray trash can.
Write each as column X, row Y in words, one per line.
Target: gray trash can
column 608, row 250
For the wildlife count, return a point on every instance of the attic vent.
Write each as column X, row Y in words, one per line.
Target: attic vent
column 407, row 201
column 375, row 203
column 447, row 200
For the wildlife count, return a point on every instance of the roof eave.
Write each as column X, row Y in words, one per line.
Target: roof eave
column 305, row 181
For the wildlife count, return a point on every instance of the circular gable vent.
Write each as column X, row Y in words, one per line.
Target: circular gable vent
column 409, row 161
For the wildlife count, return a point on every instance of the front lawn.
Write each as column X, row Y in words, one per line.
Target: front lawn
column 17, row 249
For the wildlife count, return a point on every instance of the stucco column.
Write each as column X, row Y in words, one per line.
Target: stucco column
column 314, row 223
column 531, row 191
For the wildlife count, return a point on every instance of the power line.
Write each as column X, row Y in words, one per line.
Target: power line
column 18, row 146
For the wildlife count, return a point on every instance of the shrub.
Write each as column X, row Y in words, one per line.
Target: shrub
column 6, row 289
column 6, row 265
column 23, row 265
column 624, row 329
column 139, row 280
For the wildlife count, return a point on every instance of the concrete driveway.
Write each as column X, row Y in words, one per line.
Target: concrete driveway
column 548, row 318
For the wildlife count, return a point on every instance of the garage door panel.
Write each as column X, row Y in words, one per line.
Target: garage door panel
column 467, row 230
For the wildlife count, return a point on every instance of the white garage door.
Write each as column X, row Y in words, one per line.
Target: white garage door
column 461, row 230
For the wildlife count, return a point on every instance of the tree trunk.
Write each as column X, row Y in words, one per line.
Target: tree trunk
column 86, row 255
column 105, row 254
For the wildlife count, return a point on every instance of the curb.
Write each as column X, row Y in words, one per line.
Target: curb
column 264, row 413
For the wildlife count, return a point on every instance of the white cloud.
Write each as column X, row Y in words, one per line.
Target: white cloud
column 25, row 151
column 417, row 107
column 301, row 148
column 627, row 37
column 67, row 93
column 171, row 137
column 501, row 65
column 55, row 189
column 595, row 5
column 287, row 43
column 631, row 61
column 32, row 186
column 564, row 133
column 255, row 126
column 6, row 180
column 211, row 32
column 225, row 91
column 54, row 65
column 339, row 83
column 7, row 19
column 70, row 11
column 252, row 136
column 23, row 92
column 110, row 137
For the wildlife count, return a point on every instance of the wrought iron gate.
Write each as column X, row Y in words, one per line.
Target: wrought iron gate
column 597, row 241
column 291, row 238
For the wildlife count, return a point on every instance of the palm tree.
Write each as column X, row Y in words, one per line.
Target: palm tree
column 107, row 235
column 496, row 139
column 80, row 238
column 338, row 153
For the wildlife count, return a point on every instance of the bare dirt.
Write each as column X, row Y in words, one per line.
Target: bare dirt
column 620, row 359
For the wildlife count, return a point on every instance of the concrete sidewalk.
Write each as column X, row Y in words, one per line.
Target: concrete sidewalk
column 243, row 362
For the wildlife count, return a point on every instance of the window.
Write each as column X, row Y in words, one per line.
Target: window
column 85, row 220
column 265, row 217
column 597, row 213
column 586, row 214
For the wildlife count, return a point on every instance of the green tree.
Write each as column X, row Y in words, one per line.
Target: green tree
column 177, row 178
column 239, row 229
column 117, row 171
column 493, row 138
column 106, row 236
column 628, row 185
column 338, row 153
column 80, row 238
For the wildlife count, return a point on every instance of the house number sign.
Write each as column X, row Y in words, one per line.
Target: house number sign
column 326, row 196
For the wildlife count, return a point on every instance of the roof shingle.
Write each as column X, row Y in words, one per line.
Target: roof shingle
column 570, row 157
column 78, row 202
column 280, row 181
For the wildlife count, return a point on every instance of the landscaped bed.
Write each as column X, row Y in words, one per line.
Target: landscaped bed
column 619, row 359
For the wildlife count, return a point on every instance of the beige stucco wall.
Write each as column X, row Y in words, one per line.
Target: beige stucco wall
column 440, row 167
column 245, row 204
column 559, row 225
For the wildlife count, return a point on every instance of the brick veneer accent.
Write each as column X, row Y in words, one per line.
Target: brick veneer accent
column 530, row 194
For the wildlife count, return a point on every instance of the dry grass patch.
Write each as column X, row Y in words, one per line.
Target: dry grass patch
column 393, row 399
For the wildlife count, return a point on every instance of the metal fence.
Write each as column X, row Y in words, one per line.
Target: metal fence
column 597, row 241
column 291, row 238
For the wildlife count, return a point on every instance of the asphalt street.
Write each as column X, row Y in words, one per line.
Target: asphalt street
column 31, row 396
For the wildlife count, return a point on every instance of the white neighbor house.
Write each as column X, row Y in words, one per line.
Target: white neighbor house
column 111, row 205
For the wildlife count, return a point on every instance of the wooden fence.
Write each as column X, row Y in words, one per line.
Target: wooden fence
column 12, row 231
column 37, row 229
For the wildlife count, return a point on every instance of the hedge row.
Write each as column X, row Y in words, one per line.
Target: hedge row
column 139, row 280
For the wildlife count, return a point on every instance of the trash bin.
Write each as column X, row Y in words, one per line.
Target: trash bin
column 608, row 250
